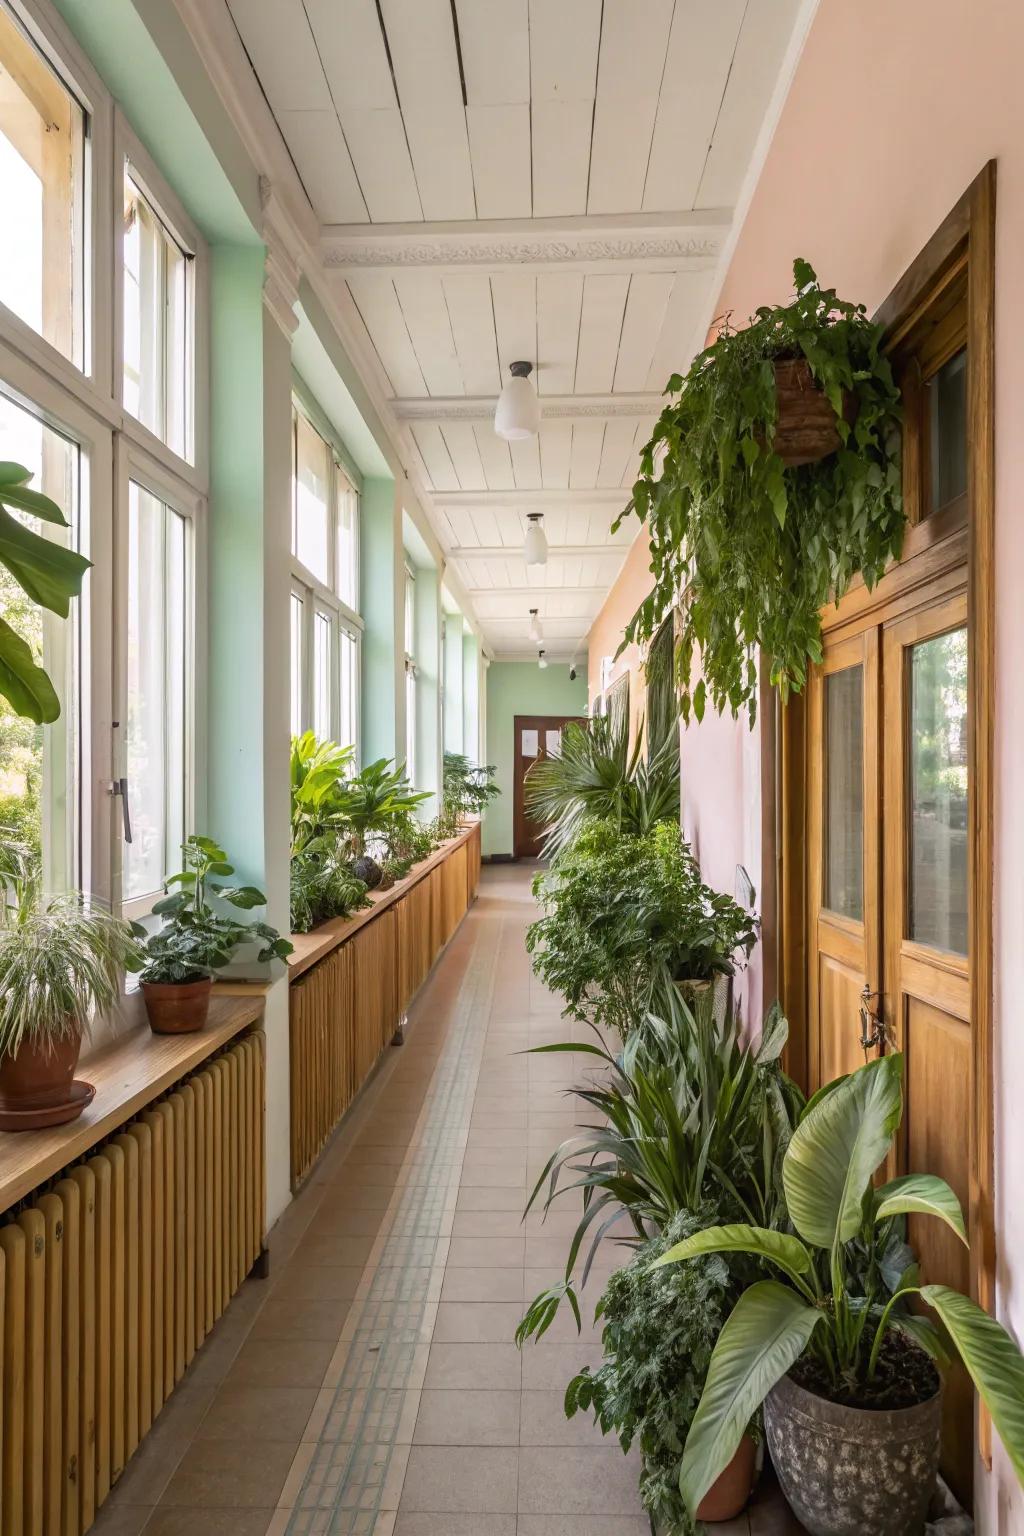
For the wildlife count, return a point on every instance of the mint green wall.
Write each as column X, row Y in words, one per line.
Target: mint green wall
column 471, row 697
column 520, row 688
column 382, row 723
column 428, row 687
column 454, row 685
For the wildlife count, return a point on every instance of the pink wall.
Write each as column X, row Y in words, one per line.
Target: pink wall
column 893, row 110
column 631, row 587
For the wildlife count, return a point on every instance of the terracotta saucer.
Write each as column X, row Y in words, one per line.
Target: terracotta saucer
column 82, row 1095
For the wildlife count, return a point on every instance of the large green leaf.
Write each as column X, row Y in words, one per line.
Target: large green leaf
column 993, row 1360
column 47, row 571
column 31, row 501
column 25, row 685
column 836, row 1149
column 767, row 1332
column 779, row 1248
column 921, row 1194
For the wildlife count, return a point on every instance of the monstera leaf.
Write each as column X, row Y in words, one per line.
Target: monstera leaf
column 50, row 574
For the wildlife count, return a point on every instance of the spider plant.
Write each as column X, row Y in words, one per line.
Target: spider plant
column 61, row 960
column 597, row 776
column 687, row 1115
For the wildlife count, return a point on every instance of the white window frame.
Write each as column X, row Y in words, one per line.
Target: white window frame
column 86, row 405
column 318, row 597
column 411, row 672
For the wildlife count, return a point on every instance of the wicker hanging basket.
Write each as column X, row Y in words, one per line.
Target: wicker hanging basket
column 805, row 428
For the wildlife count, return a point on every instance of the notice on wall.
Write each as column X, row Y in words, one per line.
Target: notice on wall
column 530, row 744
column 552, row 742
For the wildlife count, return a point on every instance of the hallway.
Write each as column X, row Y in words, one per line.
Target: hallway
column 372, row 1387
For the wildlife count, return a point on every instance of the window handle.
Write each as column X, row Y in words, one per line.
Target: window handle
column 120, row 787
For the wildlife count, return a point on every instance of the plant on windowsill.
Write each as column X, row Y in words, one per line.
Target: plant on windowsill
column 466, row 790
column 374, row 797
column 322, row 884
column 61, row 961
column 48, row 573
column 752, row 531
column 852, row 1396
column 198, row 938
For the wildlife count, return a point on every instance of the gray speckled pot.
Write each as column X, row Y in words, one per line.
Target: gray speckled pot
column 850, row 1471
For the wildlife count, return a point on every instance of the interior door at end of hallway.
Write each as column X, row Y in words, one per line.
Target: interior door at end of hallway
column 536, row 737
column 843, row 877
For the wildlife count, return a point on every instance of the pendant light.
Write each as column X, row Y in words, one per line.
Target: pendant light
column 518, row 412
column 535, row 630
column 541, row 662
column 535, row 545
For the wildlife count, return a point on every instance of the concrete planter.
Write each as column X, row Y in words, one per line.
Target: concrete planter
column 847, row 1471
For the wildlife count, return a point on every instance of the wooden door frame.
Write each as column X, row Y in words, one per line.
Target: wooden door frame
column 968, row 232
column 518, row 721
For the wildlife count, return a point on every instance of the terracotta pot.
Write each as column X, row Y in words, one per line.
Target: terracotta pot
column 805, row 427
column 730, row 1491
column 177, row 1007
column 40, row 1073
column 846, row 1471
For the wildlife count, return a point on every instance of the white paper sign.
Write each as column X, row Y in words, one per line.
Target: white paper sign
column 530, row 743
column 553, row 742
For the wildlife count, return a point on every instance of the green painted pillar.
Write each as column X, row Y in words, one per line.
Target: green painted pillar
column 454, row 685
column 471, row 698
column 382, row 604
column 428, row 687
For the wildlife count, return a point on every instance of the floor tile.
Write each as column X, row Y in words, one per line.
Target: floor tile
column 462, row 1480
column 227, row 1475
column 280, row 1363
column 410, row 1524
column 208, row 1522
column 467, row 1418
column 474, row 1366
column 477, row 1322
column 482, row 1285
column 266, row 1414
column 486, row 1253
column 577, row 1481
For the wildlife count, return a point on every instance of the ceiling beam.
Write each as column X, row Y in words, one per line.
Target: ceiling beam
column 552, row 407
column 561, row 590
column 660, row 241
column 515, row 551
column 533, row 501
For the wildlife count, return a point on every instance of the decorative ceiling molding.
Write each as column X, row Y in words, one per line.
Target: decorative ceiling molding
column 283, row 271
column 535, row 501
column 555, row 551
column 552, row 407
column 663, row 241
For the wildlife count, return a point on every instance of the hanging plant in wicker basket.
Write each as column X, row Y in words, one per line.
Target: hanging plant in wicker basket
column 771, row 480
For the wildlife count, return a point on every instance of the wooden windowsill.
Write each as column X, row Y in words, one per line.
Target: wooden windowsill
column 313, row 946
column 128, row 1073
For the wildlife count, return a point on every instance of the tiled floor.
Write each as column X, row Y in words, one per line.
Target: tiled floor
column 371, row 1387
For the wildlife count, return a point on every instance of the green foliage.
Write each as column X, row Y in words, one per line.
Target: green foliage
column 621, row 913
column 406, row 842
column 49, row 574
column 198, row 938
column 754, row 548
column 834, row 1310
column 686, row 1116
column 61, row 958
column 660, row 1327
column 373, row 798
column 466, row 790
column 321, row 888
column 597, row 776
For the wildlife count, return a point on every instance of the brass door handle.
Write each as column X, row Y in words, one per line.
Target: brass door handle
column 872, row 1024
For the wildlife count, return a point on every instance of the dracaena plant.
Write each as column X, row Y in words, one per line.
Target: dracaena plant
column 829, row 1315
column 199, row 937
column 374, row 797
column 466, row 790
column 48, row 573
column 752, row 550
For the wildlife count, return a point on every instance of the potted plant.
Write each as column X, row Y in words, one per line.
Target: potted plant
column 845, row 1371
column 372, row 798
column 757, row 517
column 61, row 961
column 466, row 790
column 197, row 939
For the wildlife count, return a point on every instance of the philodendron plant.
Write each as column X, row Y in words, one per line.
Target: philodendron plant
column 815, row 1313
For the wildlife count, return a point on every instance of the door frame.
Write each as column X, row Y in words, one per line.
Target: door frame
column 518, row 808
column 966, row 237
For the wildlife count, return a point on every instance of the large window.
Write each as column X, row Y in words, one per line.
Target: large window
column 410, row 675
column 108, row 790
column 42, row 176
column 326, row 627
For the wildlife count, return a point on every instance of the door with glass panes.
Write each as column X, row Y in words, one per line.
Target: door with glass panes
column 888, row 828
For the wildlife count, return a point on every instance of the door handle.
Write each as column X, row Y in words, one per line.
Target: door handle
column 120, row 787
column 872, row 1025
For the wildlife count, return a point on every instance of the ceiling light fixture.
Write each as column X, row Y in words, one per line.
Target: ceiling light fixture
column 535, row 545
column 536, row 633
column 518, row 412
column 540, row 658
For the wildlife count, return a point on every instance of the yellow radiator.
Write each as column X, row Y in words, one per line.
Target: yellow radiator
column 110, row 1281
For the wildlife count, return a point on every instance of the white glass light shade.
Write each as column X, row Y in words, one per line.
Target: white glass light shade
column 518, row 412
column 535, row 630
column 540, row 659
column 535, row 545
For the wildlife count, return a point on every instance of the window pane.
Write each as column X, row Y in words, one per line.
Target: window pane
column 938, row 792
column 298, row 619
column 947, row 431
column 310, row 526
column 157, row 377
column 844, row 793
column 156, row 728
column 40, row 777
column 322, row 626
column 348, row 542
column 349, row 690
column 41, row 178
column 410, row 614
column 410, row 724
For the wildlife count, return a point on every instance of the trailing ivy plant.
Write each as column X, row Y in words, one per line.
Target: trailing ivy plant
column 751, row 549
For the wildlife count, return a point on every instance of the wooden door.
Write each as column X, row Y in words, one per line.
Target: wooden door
column 536, row 737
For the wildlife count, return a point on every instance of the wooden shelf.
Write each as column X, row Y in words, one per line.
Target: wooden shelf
column 128, row 1074
column 311, row 947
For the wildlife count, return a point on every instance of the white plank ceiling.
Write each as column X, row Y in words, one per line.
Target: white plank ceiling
column 551, row 180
